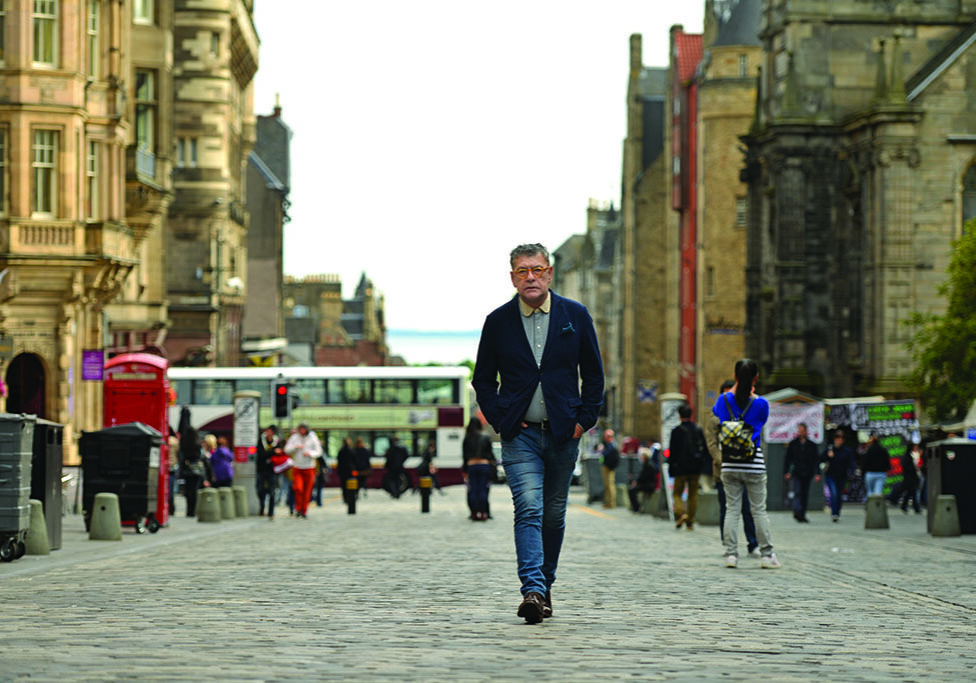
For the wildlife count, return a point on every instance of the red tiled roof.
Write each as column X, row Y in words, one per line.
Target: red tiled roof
column 688, row 54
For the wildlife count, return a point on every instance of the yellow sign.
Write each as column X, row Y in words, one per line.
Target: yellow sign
column 261, row 361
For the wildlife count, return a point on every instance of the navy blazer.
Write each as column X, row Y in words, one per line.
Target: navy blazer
column 571, row 356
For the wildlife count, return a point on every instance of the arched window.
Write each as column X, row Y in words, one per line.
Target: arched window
column 969, row 194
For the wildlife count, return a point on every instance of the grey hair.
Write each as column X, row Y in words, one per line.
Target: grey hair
column 528, row 250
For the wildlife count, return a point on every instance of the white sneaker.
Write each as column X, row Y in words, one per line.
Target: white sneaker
column 770, row 562
column 731, row 561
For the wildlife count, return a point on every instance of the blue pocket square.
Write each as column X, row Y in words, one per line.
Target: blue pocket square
column 568, row 329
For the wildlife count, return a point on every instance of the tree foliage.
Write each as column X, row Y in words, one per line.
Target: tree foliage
column 944, row 346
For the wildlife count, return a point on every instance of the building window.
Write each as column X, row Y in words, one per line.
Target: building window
column 3, row 171
column 45, row 32
column 741, row 212
column 93, row 54
column 146, row 111
column 144, row 11
column 3, row 30
column 91, row 176
column 186, row 152
column 44, row 165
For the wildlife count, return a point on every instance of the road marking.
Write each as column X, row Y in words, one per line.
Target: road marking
column 595, row 513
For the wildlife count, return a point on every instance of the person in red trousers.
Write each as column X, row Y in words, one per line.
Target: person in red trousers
column 304, row 448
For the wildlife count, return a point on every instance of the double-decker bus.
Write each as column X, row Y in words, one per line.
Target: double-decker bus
column 420, row 405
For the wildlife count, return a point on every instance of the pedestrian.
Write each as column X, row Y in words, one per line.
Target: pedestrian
column 222, row 462
column 173, row 461
column 364, row 465
column 478, row 462
column 909, row 483
column 265, row 478
column 714, row 450
column 611, row 460
column 800, row 467
column 396, row 456
column 875, row 465
column 543, row 348
column 745, row 468
column 686, row 450
column 346, row 470
column 304, row 448
column 646, row 481
column 194, row 468
column 840, row 461
column 321, row 474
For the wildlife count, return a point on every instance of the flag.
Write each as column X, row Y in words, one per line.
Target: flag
column 646, row 391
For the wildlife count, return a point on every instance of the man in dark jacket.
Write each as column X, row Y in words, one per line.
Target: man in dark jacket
column 265, row 476
column 875, row 465
column 396, row 456
column 800, row 467
column 686, row 450
column 840, row 468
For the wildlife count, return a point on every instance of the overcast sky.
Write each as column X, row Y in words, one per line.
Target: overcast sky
column 432, row 136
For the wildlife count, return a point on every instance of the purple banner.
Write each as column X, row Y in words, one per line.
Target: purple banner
column 92, row 364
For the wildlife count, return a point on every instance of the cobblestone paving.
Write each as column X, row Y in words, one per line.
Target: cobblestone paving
column 390, row 593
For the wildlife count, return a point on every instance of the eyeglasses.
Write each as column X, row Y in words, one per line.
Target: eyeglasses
column 537, row 271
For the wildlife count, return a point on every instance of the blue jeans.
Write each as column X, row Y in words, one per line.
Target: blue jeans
column 836, row 489
column 539, row 472
column 875, row 482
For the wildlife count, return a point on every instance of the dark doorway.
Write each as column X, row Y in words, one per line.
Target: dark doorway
column 25, row 386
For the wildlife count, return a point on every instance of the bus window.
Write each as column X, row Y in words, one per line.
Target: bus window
column 182, row 388
column 350, row 391
column 437, row 391
column 262, row 386
column 213, row 392
column 393, row 391
column 309, row 391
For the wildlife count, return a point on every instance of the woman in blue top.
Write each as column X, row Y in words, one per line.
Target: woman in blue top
column 742, row 403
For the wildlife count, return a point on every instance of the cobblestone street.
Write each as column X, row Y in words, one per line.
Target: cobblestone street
column 392, row 593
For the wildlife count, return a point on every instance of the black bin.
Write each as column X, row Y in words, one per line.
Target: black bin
column 46, row 475
column 952, row 471
column 16, row 438
column 123, row 460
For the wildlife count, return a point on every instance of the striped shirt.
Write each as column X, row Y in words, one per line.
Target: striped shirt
column 755, row 417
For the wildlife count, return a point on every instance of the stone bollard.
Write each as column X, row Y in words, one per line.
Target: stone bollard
column 227, row 507
column 945, row 521
column 37, row 542
column 875, row 512
column 208, row 505
column 106, row 519
column 659, row 504
column 240, row 501
column 708, row 509
column 623, row 498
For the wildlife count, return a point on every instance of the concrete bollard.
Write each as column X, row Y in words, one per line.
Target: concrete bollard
column 208, row 505
column 106, row 519
column 659, row 504
column 875, row 512
column 240, row 501
column 708, row 509
column 227, row 507
column 623, row 499
column 37, row 542
column 945, row 521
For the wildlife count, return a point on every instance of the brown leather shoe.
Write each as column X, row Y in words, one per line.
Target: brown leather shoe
column 532, row 608
column 547, row 605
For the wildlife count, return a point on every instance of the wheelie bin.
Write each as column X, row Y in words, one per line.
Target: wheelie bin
column 16, row 440
column 123, row 460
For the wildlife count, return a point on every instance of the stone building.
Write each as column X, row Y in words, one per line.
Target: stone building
column 860, row 169
column 268, row 180
column 325, row 329
column 647, row 333
column 84, row 187
column 215, row 59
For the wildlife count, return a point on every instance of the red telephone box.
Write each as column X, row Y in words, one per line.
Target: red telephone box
column 136, row 390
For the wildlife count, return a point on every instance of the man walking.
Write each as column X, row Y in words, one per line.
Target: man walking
column 800, row 467
column 543, row 349
column 686, row 449
column 611, row 459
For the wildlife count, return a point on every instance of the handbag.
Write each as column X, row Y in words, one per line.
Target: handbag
column 281, row 462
